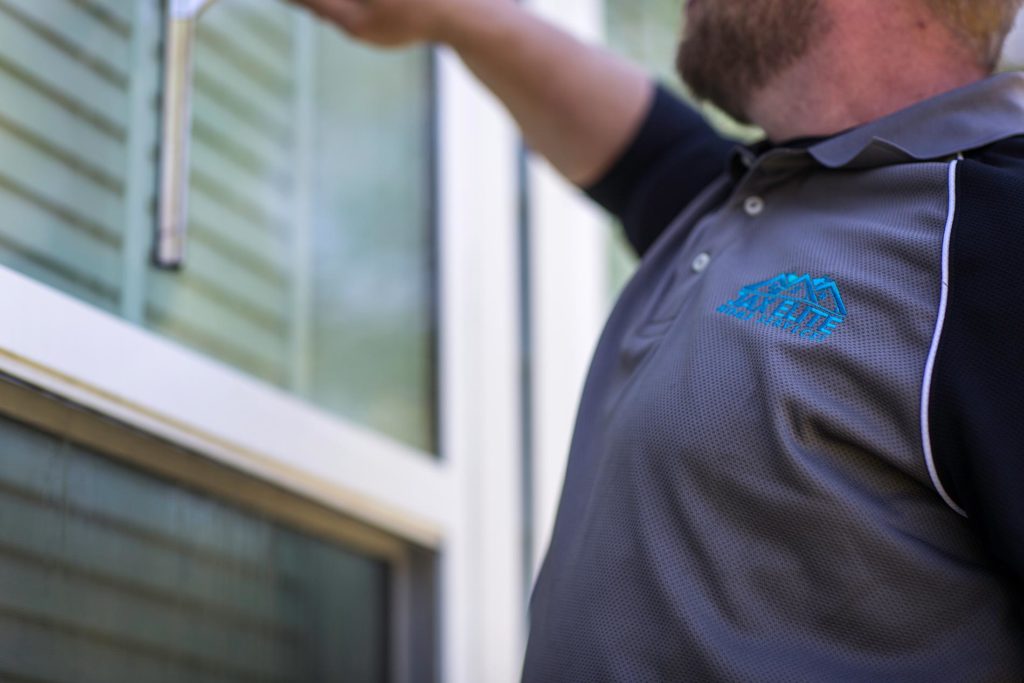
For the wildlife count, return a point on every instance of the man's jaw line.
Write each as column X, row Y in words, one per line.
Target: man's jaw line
column 826, row 92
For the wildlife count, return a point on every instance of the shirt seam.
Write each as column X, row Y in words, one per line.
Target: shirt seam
column 929, row 371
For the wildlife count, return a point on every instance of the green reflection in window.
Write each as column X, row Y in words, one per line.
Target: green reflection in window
column 73, row 167
column 110, row 574
column 371, row 334
column 310, row 259
column 233, row 298
column 309, row 263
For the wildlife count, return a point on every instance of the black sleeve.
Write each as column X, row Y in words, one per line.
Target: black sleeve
column 977, row 399
column 672, row 158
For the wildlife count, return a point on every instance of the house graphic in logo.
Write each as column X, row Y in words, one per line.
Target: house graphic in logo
column 810, row 308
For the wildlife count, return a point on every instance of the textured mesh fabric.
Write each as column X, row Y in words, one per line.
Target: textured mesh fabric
column 744, row 502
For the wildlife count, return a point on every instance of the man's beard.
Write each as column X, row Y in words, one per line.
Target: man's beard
column 732, row 48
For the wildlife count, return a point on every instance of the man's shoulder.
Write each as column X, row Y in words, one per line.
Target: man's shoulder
column 977, row 397
column 1002, row 161
column 990, row 193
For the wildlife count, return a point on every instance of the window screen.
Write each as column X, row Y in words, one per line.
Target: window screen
column 110, row 574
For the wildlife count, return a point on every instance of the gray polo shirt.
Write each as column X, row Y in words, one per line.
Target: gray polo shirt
column 798, row 456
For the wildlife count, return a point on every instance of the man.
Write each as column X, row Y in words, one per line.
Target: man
column 799, row 455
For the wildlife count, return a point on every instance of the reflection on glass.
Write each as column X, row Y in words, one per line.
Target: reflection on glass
column 232, row 299
column 371, row 333
column 110, row 574
column 74, row 158
column 309, row 261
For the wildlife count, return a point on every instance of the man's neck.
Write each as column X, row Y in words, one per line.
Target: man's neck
column 856, row 76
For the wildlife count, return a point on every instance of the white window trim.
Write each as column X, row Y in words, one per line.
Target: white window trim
column 92, row 358
column 570, row 239
column 483, row 603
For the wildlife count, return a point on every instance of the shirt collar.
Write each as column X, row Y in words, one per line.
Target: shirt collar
column 967, row 118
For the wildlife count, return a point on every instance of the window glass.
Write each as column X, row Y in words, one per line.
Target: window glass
column 111, row 574
column 310, row 223
column 67, row 83
column 310, row 255
column 370, row 353
column 232, row 298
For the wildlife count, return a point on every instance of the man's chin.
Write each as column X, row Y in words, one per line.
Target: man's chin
column 731, row 47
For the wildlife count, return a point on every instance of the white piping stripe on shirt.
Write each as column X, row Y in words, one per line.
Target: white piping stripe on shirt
column 929, row 368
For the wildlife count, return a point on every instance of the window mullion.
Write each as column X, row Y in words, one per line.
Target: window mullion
column 303, row 179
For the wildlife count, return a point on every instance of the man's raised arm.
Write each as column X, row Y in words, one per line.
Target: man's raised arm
column 576, row 104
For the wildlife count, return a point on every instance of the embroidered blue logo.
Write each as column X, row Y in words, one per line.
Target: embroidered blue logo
column 810, row 308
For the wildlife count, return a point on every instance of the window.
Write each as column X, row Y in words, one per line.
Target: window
column 310, row 261
column 110, row 573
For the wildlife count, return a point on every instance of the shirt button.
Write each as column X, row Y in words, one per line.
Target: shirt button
column 700, row 263
column 753, row 206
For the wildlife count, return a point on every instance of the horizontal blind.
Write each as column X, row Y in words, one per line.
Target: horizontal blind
column 110, row 574
column 66, row 79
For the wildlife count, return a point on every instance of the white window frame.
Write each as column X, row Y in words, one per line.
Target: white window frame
column 570, row 241
column 465, row 504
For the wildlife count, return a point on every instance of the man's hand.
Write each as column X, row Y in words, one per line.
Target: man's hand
column 392, row 23
column 576, row 104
